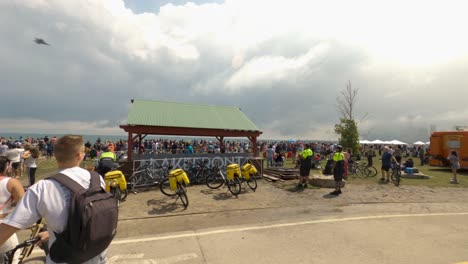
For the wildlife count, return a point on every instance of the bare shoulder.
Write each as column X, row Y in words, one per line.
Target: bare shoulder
column 14, row 183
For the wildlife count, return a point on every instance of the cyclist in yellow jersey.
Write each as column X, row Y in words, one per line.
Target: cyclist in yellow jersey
column 338, row 169
column 107, row 161
column 306, row 165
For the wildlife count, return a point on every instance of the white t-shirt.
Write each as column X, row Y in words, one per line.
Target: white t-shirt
column 30, row 162
column 14, row 155
column 50, row 200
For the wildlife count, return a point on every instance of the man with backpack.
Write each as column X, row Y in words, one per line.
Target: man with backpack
column 67, row 201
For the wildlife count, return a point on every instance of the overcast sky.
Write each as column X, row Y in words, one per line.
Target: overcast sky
column 282, row 62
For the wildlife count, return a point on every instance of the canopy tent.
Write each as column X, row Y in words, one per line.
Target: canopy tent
column 364, row 141
column 396, row 142
column 428, row 143
column 419, row 143
column 377, row 141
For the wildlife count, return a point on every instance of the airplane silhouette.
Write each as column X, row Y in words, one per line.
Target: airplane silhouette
column 41, row 41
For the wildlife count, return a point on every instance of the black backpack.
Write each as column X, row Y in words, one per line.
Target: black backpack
column 91, row 224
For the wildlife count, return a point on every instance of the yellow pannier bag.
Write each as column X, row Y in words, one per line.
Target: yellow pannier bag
column 177, row 175
column 118, row 176
column 247, row 170
column 231, row 170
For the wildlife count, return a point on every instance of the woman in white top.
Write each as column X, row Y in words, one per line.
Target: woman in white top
column 30, row 157
column 11, row 191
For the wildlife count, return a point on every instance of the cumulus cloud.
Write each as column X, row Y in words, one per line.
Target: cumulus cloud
column 282, row 63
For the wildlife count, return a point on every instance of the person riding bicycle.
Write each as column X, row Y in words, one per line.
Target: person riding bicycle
column 106, row 163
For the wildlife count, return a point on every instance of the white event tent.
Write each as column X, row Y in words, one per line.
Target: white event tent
column 396, row 142
column 378, row 142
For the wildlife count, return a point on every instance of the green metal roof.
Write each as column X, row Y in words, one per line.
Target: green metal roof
column 170, row 114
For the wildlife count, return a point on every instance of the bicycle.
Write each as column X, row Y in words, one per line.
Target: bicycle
column 147, row 178
column 28, row 245
column 231, row 180
column 396, row 174
column 177, row 182
column 116, row 184
column 197, row 172
column 247, row 175
column 361, row 170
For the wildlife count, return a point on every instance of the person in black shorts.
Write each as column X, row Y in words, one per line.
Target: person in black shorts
column 338, row 169
column 387, row 158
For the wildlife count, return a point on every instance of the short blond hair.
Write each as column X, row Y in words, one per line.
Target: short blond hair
column 67, row 147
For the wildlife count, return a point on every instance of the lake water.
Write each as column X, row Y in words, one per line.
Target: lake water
column 114, row 138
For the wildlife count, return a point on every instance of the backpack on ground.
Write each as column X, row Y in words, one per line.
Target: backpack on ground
column 328, row 170
column 91, row 224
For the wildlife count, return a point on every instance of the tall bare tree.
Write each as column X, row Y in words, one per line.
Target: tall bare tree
column 347, row 128
column 346, row 102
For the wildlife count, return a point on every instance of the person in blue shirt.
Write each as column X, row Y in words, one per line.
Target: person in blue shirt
column 387, row 159
column 189, row 148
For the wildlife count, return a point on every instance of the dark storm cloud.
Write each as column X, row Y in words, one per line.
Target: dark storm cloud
column 285, row 81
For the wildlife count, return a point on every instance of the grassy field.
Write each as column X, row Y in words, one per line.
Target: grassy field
column 439, row 177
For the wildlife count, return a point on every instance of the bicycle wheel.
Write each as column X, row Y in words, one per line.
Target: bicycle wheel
column 166, row 188
column 360, row 172
column 372, row 171
column 252, row 183
column 117, row 194
column 182, row 192
column 131, row 183
column 124, row 195
column 214, row 181
column 234, row 186
column 352, row 170
column 396, row 175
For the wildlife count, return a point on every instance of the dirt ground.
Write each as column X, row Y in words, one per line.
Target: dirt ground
column 152, row 213
column 153, row 203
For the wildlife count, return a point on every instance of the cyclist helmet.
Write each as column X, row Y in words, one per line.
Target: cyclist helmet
column 339, row 147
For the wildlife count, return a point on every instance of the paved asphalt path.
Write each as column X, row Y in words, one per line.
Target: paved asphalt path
column 272, row 225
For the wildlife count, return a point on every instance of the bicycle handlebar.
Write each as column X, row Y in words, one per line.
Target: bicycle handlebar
column 8, row 255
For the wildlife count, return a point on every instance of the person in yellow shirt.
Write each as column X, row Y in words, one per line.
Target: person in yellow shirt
column 306, row 165
column 107, row 161
column 338, row 170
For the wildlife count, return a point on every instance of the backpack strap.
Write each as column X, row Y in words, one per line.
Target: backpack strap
column 73, row 185
column 94, row 182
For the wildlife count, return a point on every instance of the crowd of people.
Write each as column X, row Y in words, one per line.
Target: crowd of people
column 49, row 199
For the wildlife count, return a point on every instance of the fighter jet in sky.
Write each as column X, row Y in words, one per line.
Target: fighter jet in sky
column 41, row 41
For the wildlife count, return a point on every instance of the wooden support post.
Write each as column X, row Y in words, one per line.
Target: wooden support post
column 130, row 146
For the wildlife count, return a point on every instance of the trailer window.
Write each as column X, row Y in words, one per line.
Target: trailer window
column 453, row 144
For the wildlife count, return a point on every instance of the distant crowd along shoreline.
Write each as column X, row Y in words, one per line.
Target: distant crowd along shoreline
column 286, row 149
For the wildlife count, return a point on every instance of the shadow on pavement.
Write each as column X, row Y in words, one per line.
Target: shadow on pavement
column 329, row 196
column 224, row 196
column 165, row 205
column 208, row 191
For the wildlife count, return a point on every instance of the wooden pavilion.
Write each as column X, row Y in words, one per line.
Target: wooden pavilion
column 182, row 119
